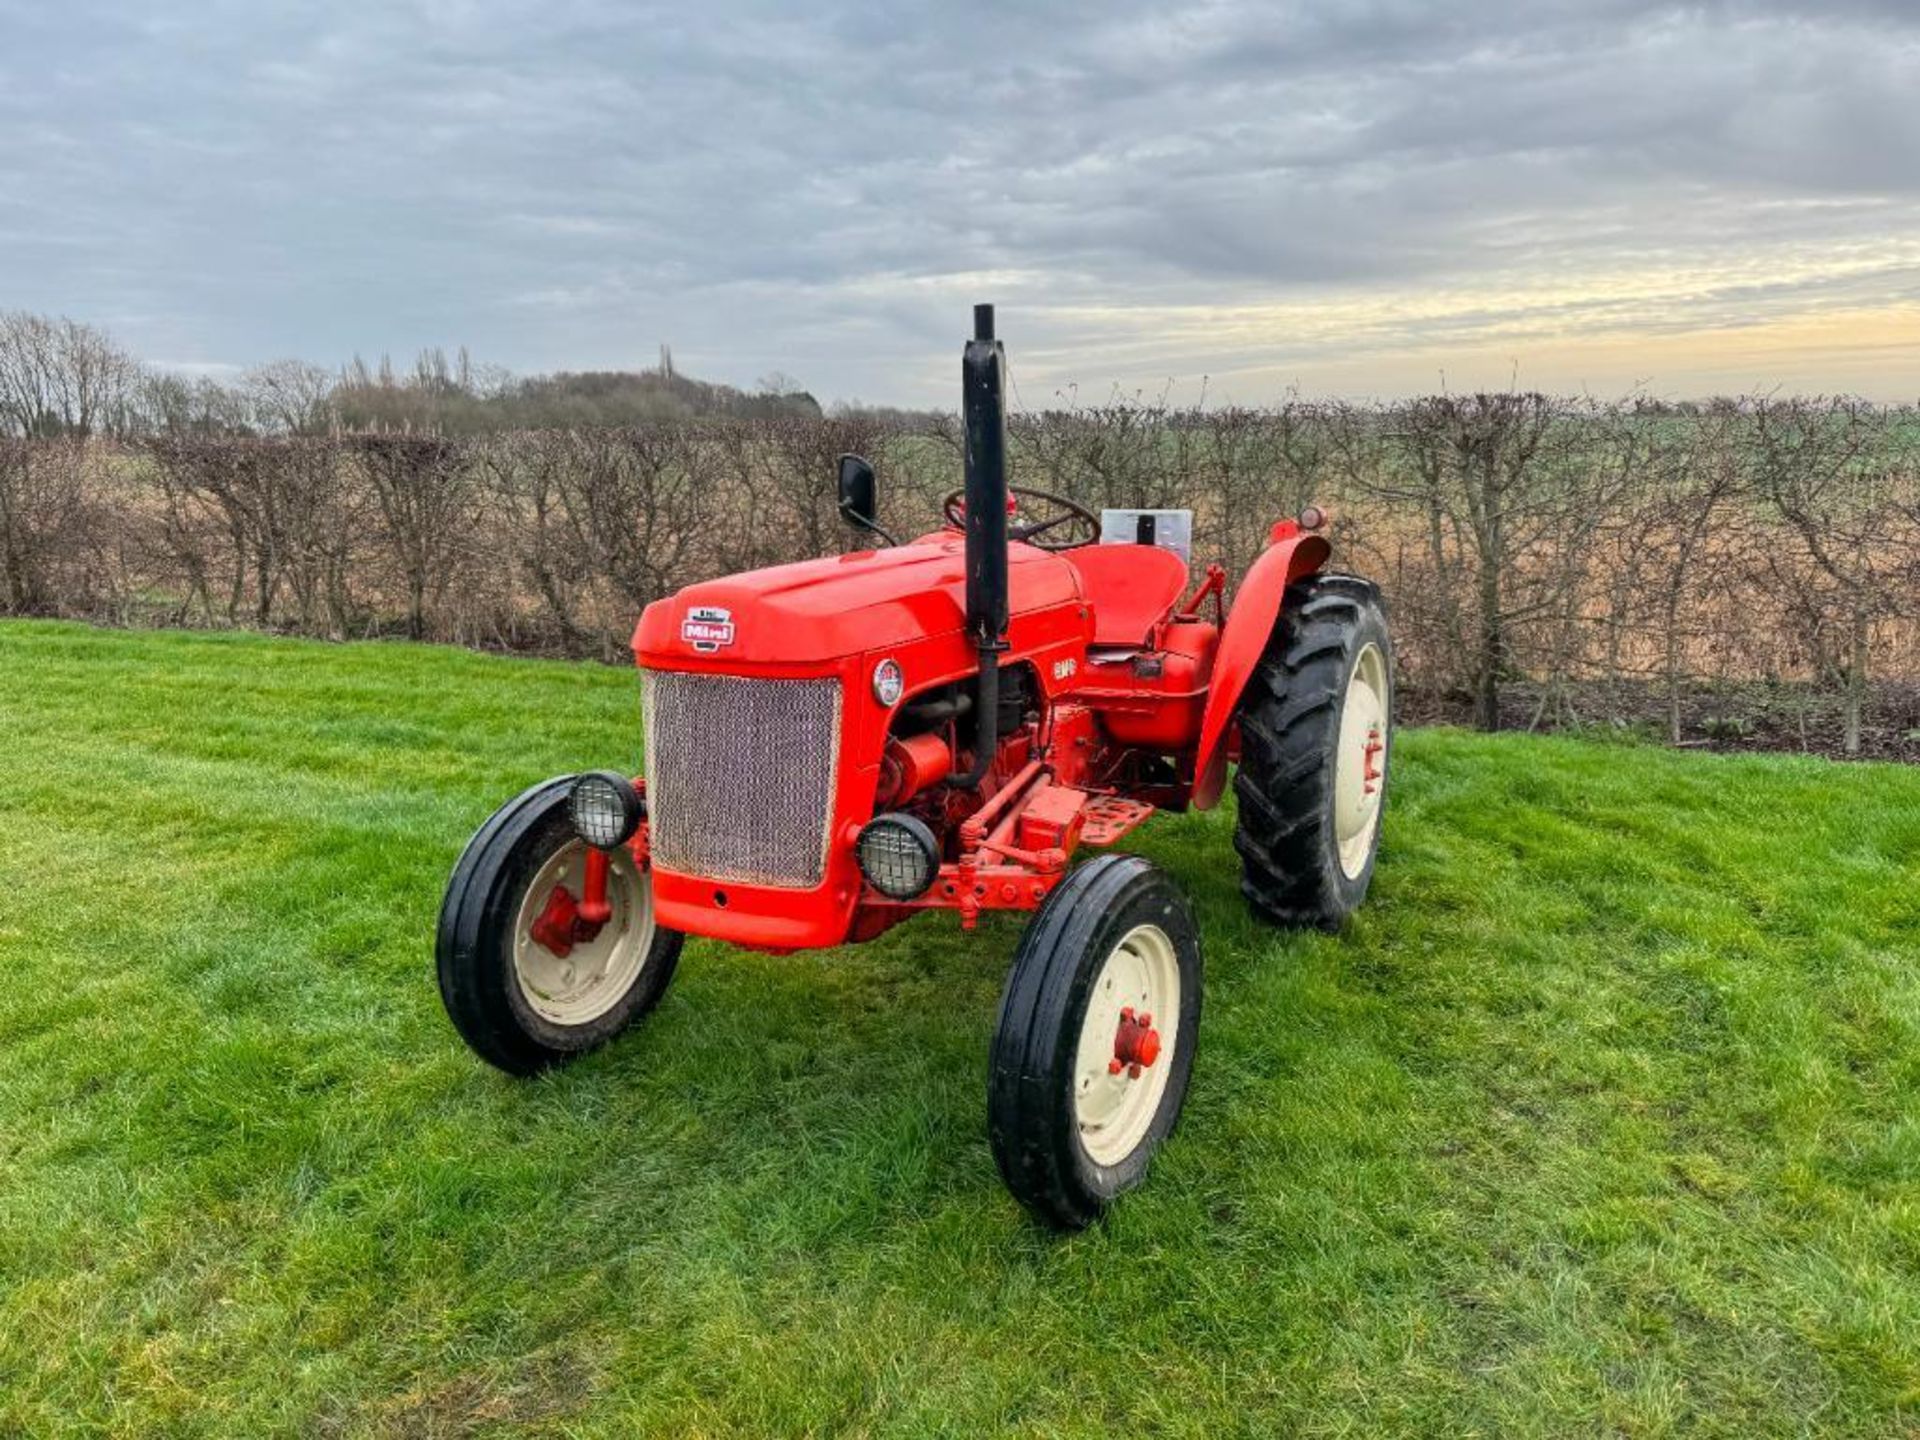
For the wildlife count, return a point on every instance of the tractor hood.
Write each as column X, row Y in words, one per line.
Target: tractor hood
column 822, row 610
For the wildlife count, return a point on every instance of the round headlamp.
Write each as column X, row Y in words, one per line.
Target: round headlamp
column 898, row 855
column 604, row 807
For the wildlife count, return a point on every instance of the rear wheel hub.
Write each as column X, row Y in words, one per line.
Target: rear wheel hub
column 1360, row 760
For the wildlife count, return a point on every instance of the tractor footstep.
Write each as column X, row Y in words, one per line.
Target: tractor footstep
column 1108, row 817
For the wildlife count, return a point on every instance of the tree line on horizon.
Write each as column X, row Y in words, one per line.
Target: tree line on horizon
column 60, row 377
column 1740, row 570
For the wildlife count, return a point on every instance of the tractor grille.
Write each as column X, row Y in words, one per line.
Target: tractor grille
column 740, row 775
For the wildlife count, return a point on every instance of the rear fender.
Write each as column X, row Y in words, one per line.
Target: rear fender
column 1256, row 608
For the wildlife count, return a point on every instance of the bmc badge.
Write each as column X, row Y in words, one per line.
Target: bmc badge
column 707, row 628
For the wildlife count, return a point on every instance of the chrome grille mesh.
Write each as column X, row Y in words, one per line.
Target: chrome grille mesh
column 740, row 775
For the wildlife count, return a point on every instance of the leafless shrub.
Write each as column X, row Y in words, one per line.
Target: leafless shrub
column 1840, row 477
column 427, row 495
column 1490, row 483
column 1687, row 540
column 320, row 523
column 1129, row 453
column 44, row 518
column 289, row 516
column 598, row 523
column 1256, row 463
column 521, row 473
column 793, row 483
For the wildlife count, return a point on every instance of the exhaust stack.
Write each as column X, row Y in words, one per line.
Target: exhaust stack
column 983, row 377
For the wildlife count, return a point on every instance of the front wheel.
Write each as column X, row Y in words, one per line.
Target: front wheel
column 526, row 987
column 1096, row 1039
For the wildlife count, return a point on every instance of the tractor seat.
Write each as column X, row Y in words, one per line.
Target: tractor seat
column 1131, row 587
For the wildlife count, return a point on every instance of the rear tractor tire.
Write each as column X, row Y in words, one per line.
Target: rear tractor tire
column 521, row 1004
column 1316, row 741
column 1096, row 1037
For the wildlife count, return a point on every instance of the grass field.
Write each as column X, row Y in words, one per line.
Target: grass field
column 1601, row 1119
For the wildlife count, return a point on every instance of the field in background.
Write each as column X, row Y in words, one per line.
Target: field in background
column 1740, row 574
column 1600, row 1117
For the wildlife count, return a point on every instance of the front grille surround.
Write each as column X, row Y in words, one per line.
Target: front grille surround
column 741, row 775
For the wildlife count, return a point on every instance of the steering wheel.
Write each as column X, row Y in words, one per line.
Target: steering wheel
column 1087, row 524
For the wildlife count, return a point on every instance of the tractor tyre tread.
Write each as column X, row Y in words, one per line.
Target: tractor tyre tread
column 1030, row 1110
column 1289, row 721
column 473, row 959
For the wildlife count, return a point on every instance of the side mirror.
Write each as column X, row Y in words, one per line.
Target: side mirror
column 859, row 498
column 858, row 501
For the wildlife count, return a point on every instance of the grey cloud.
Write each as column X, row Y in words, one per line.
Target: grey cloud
column 822, row 190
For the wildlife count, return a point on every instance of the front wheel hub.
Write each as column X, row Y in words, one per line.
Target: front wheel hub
column 1136, row 1044
column 571, row 969
column 561, row 925
column 1122, row 1063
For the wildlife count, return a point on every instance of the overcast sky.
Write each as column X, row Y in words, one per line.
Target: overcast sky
column 1358, row 198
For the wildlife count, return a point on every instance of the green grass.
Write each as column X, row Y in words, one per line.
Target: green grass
column 1600, row 1119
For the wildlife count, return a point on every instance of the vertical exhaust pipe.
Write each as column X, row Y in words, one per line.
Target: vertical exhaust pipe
column 983, row 401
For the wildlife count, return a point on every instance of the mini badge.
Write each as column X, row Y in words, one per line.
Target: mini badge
column 707, row 628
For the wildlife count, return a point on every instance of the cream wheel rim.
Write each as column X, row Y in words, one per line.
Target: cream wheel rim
column 1360, row 762
column 1114, row 1103
column 595, row 975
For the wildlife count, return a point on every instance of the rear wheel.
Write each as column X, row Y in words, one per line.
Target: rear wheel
column 525, row 985
column 1096, row 1039
column 1316, row 738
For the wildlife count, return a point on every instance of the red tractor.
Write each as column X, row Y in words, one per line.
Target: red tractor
column 838, row 745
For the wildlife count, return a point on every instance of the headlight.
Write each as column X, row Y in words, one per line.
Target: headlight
column 898, row 855
column 604, row 807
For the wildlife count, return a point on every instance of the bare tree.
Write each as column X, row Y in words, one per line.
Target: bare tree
column 59, row 377
column 281, row 506
column 323, row 517
column 180, row 405
column 1687, row 534
column 290, row 397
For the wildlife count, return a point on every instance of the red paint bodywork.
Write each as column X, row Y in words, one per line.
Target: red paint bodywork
column 1103, row 714
column 1291, row 555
